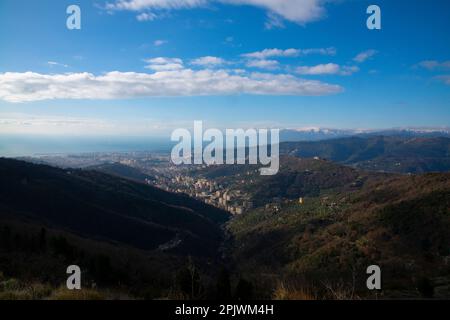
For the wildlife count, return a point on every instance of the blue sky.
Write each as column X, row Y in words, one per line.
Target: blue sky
column 140, row 67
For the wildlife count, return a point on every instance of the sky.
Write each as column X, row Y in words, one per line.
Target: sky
column 146, row 67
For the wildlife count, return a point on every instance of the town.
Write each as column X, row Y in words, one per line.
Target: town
column 157, row 170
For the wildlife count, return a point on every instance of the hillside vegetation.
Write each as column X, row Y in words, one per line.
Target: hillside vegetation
column 379, row 153
column 314, row 229
column 400, row 223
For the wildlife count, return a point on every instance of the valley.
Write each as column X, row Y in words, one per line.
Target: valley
column 190, row 232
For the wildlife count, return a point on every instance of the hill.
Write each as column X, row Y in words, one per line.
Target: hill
column 130, row 239
column 100, row 206
column 136, row 238
column 324, row 245
column 307, row 177
column 317, row 133
column 297, row 177
column 121, row 170
column 379, row 153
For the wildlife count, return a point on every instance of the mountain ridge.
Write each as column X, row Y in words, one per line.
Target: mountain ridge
column 96, row 205
column 378, row 153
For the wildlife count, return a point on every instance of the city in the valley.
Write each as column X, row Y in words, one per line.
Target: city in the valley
column 199, row 182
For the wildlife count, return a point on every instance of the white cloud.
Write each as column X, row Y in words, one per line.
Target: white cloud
column 263, row 64
column 363, row 56
column 164, row 64
column 31, row 86
column 208, row 61
column 273, row 21
column 268, row 53
column 146, row 16
column 329, row 68
column 165, row 67
column 297, row 11
column 19, row 123
column 444, row 78
column 45, row 121
column 138, row 5
column 434, row 65
column 349, row 70
column 164, row 60
column 331, row 51
column 158, row 43
column 57, row 64
column 275, row 52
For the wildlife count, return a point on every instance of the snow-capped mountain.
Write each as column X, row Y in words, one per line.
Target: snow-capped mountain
column 318, row 133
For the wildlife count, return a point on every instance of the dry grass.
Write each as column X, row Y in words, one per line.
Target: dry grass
column 14, row 290
column 83, row 294
column 285, row 292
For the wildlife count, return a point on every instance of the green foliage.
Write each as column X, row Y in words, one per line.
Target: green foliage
column 103, row 206
column 400, row 223
column 422, row 222
column 401, row 154
column 348, row 220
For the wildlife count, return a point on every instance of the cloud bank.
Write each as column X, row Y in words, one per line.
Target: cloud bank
column 208, row 61
column 297, row 11
column 263, row 64
column 288, row 53
column 365, row 55
column 434, row 65
column 168, row 80
column 327, row 69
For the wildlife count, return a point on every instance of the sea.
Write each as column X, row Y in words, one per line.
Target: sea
column 37, row 145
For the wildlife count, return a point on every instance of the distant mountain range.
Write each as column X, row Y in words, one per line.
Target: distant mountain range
column 318, row 133
column 395, row 153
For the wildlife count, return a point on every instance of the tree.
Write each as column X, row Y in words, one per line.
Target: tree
column 188, row 280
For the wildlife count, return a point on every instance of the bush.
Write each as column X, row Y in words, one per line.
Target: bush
column 13, row 289
column 10, row 284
